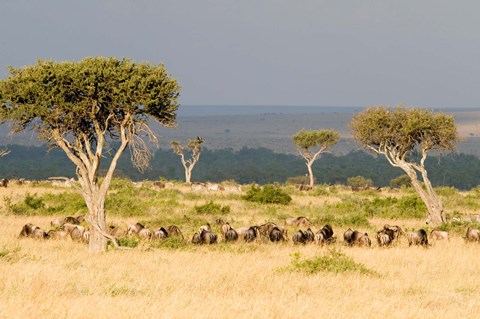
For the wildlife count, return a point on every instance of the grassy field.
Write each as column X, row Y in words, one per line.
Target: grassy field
column 60, row 279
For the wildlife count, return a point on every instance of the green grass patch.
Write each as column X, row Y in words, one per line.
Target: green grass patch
column 210, row 208
column 269, row 194
column 334, row 261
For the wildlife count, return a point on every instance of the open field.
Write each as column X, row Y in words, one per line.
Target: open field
column 60, row 279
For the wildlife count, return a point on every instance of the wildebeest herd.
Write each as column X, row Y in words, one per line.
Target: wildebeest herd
column 70, row 227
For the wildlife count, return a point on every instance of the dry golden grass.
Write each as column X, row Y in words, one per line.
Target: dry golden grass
column 60, row 279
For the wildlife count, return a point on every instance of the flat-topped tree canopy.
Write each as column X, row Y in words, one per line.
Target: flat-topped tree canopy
column 78, row 105
column 75, row 98
column 405, row 130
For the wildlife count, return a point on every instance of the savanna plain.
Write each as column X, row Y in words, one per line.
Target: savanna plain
column 176, row 279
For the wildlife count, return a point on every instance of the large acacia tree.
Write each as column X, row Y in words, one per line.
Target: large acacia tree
column 405, row 136
column 311, row 143
column 82, row 107
column 194, row 146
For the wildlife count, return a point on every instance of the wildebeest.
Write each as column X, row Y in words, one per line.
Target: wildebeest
column 205, row 228
column 3, row 182
column 198, row 186
column 39, row 233
column 116, row 231
column 251, row 234
column 397, row 231
column 309, row 235
column 298, row 222
column 27, row 230
column 225, row 227
column 231, row 235
column 473, row 235
column 207, row 237
column 354, row 237
column 145, row 233
column 266, row 228
column 324, row 235
column 77, row 233
column 57, row 234
column 299, row 237
column 174, row 231
column 160, row 233
column 436, row 235
column 73, row 220
column 276, row 235
column 214, row 187
column 417, row 238
column 196, row 239
column 304, row 187
column 134, row 229
column 364, row 241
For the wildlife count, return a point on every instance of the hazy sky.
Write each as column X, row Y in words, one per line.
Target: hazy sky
column 326, row 53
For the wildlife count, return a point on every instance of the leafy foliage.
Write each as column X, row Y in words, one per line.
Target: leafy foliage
column 401, row 181
column 267, row 195
column 334, row 261
column 359, row 182
column 212, row 208
column 306, row 139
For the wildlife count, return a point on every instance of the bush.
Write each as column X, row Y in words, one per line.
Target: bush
column 359, row 183
column 212, row 209
column 401, row 181
column 333, row 261
column 295, row 180
column 267, row 195
column 30, row 204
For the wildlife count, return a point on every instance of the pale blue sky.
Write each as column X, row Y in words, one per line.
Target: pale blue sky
column 239, row 52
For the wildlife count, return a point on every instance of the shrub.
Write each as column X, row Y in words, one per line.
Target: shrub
column 302, row 179
column 128, row 241
column 267, row 195
column 212, row 208
column 333, row 261
column 401, row 181
column 359, row 183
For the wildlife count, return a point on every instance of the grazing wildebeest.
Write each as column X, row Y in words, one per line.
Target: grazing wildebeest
column 299, row 237
column 214, row 187
column 134, row 229
column 324, row 235
column 72, row 220
column 77, row 233
column 473, row 235
column 298, row 222
column 364, row 241
column 417, row 238
column 116, row 231
column 304, row 187
column 397, row 231
column 39, row 233
column 174, row 231
column 225, row 227
column 196, row 239
column 276, row 235
column 57, row 234
column 205, row 228
column 266, row 228
column 160, row 233
column 309, row 235
column 231, row 235
column 347, row 236
column 145, row 233
column 436, row 235
column 354, row 237
column 3, row 182
column 27, row 230
column 251, row 234
column 196, row 186
column 232, row 188
column 207, row 237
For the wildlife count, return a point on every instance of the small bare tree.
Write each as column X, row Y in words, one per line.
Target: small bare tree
column 4, row 152
column 81, row 107
column 195, row 147
column 319, row 139
column 405, row 136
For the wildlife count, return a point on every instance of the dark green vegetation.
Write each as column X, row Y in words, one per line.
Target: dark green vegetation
column 248, row 165
column 268, row 194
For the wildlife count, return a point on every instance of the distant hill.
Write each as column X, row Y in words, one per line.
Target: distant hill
column 271, row 127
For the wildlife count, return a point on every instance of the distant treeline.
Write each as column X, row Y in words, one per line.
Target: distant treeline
column 246, row 166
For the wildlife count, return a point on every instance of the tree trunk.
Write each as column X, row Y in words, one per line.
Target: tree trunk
column 430, row 199
column 188, row 175
column 97, row 242
column 310, row 173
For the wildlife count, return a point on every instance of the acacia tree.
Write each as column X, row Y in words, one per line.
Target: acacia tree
column 405, row 136
column 195, row 148
column 83, row 107
column 311, row 144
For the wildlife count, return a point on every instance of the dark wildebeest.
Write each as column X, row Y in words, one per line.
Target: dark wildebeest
column 324, row 235
column 174, row 231
column 39, row 233
column 160, row 233
column 77, row 233
column 276, row 235
column 27, row 230
column 231, row 235
column 196, row 239
column 57, row 234
column 205, row 228
column 354, row 237
column 299, row 237
column 385, row 236
column 134, row 229
column 207, row 237
column 397, row 231
column 3, row 182
column 298, row 222
column 364, row 241
column 116, row 231
column 473, row 235
column 225, row 227
column 72, row 220
column 265, row 229
column 347, row 236
column 251, row 234
column 309, row 235
column 417, row 238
